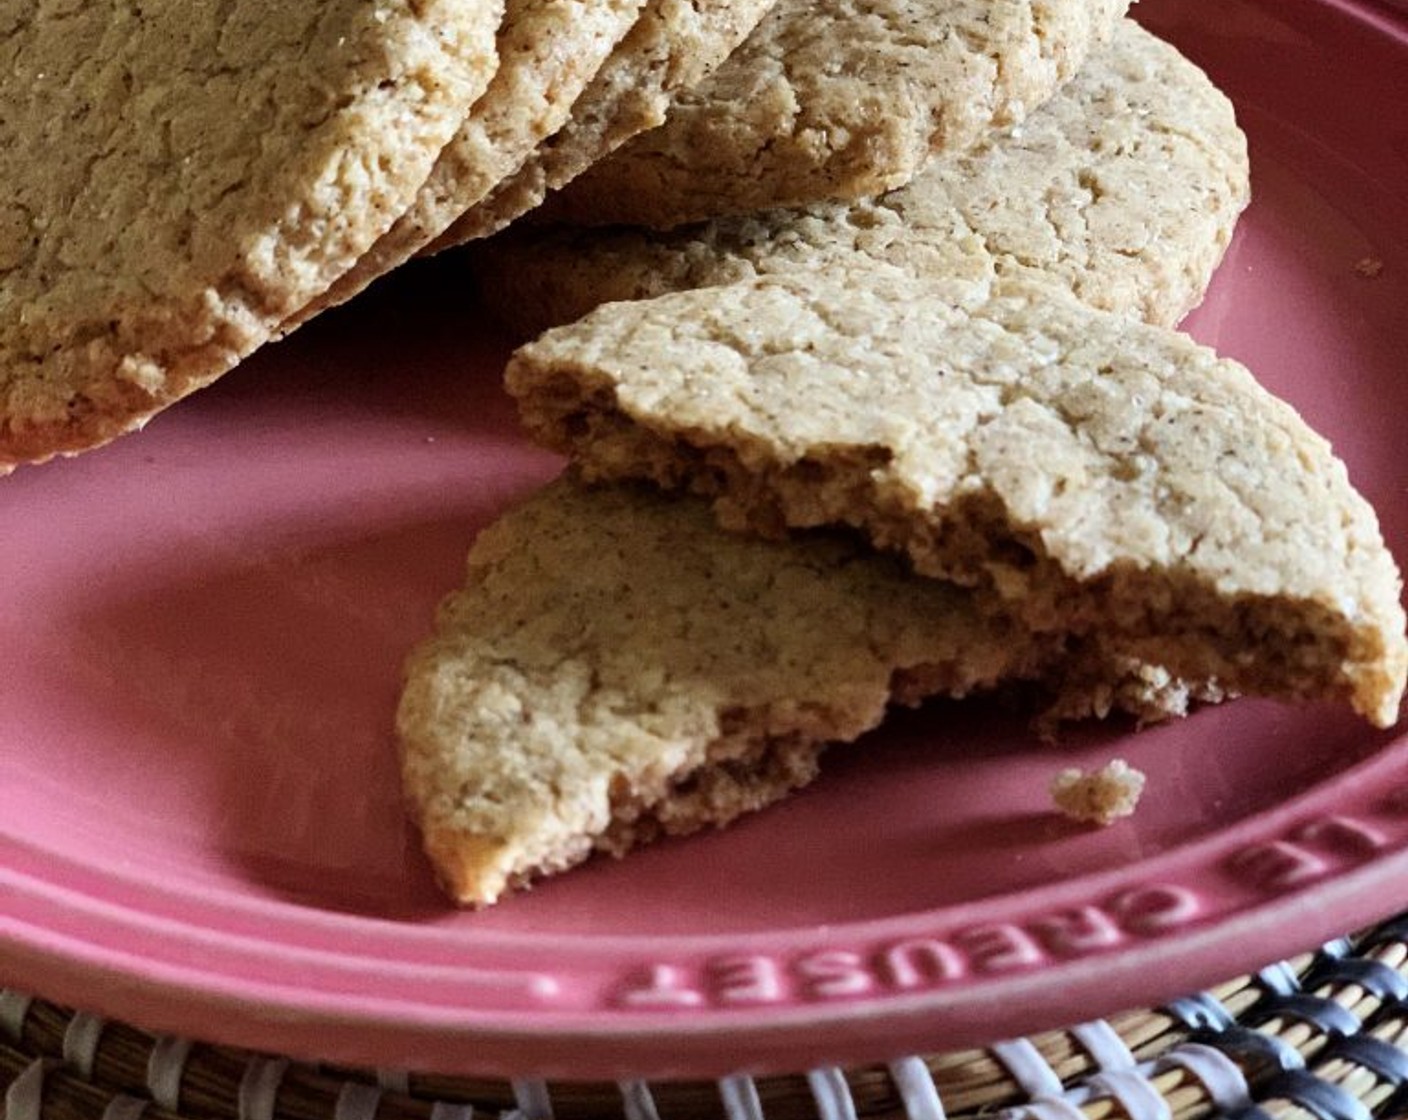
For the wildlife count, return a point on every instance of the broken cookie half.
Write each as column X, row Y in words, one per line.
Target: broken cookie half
column 1087, row 473
column 617, row 668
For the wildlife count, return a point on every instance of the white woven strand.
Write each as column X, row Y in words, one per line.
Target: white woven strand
column 1223, row 1079
column 831, row 1093
column 166, row 1068
column 637, row 1102
column 917, row 1090
column 123, row 1107
column 259, row 1088
column 740, row 1097
column 357, row 1101
column 25, row 1096
column 1135, row 1093
column 80, row 1045
column 14, row 1008
column 1028, row 1068
column 1104, row 1045
column 532, row 1097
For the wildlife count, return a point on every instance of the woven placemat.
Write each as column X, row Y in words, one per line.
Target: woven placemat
column 1324, row 1035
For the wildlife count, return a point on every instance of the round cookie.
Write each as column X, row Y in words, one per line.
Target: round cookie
column 837, row 100
column 183, row 175
column 673, row 45
column 1126, row 187
column 549, row 50
column 1087, row 472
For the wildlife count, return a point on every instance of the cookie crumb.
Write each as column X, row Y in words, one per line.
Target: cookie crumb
column 1098, row 796
column 1369, row 267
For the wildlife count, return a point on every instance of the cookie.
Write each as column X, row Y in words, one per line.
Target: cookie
column 548, row 52
column 837, row 100
column 673, row 46
column 1098, row 796
column 1088, row 472
column 617, row 668
column 182, row 175
column 1126, row 187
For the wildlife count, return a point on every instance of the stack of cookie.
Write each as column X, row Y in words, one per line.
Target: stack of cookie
column 189, row 179
column 882, row 402
column 1124, row 186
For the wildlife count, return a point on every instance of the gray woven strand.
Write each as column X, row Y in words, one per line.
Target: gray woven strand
column 357, row 1101
column 123, row 1107
column 259, row 1088
column 25, row 1096
column 740, row 1098
column 637, row 1102
column 166, row 1068
column 14, row 1008
column 532, row 1097
column 831, row 1093
column 917, row 1090
column 80, row 1046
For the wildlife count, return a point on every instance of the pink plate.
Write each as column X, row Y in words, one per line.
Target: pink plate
column 202, row 627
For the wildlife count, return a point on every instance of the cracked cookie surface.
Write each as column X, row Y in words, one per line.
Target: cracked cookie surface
column 673, row 45
column 839, row 100
column 182, row 176
column 548, row 50
column 1126, row 186
column 1090, row 473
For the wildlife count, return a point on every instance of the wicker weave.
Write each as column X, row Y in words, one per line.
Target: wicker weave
column 1322, row 1036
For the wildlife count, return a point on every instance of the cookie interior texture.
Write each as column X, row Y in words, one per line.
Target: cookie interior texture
column 548, row 51
column 182, row 176
column 840, row 99
column 617, row 668
column 671, row 47
column 1088, row 472
column 1126, row 186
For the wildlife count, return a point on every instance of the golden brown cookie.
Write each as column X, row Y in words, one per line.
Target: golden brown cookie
column 833, row 100
column 1126, row 187
column 548, row 51
column 182, row 175
column 618, row 668
column 1090, row 473
column 672, row 47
